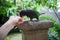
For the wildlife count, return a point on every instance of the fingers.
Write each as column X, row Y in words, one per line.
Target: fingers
column 16, row 20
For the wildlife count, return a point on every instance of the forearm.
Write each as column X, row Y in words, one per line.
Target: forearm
column 5, row 29
column 13, row 21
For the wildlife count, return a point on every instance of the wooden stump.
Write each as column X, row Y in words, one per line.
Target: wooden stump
column 36, row 30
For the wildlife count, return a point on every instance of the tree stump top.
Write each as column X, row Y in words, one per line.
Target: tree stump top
column 35, row 25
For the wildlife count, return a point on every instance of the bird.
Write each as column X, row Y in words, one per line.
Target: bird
column 30, row 13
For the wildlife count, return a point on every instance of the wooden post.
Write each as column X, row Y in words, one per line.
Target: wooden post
column 36, row 30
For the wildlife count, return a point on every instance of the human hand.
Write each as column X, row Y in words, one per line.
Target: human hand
column 16, row 20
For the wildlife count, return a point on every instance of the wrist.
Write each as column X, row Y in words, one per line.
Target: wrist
column 11, row 23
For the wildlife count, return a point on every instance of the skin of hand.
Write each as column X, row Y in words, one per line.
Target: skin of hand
column 16, row 20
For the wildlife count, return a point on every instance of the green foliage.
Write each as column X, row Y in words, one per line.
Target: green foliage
column 8, row 4
column 48, row 3
column 12, row 11
column 54, row 32
column 45, row 17
column 3, row 10
column 57, row 26
column 37, row 4
column 4, row 7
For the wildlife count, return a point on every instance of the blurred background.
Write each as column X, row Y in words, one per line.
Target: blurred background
column 51, row 8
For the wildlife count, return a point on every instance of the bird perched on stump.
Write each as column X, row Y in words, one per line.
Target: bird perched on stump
column 30, row 13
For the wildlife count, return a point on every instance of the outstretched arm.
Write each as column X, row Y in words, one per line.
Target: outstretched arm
column 13, row 21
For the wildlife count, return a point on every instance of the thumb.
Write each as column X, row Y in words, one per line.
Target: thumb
column 19, row 22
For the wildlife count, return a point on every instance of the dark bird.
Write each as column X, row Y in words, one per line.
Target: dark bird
column 30, row 13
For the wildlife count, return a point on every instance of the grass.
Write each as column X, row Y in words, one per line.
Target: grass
column 15, row 36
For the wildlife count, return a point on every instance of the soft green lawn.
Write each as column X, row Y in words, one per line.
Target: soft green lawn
column 15, row 36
